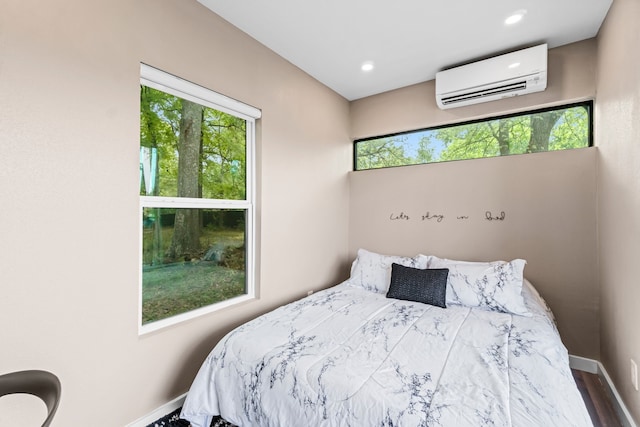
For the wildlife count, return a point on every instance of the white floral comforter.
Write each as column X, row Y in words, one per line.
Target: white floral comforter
column 350, row 357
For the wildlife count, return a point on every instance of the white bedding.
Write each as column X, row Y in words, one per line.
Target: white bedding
column 350, row 357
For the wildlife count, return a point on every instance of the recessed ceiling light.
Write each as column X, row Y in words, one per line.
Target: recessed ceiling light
column 515, row 17
column 367, row 66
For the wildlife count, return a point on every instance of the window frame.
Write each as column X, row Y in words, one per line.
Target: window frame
column 165, row 82
column 587, row 104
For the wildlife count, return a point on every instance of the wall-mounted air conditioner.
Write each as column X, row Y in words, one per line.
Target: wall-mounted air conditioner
column 511, row 74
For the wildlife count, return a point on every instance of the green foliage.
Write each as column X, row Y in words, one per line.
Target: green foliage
column 380, row 153
column 159, row 128
column 542, row 131
column 571, row 131
column 223, row 158
column 426, row 152
column 467, row 142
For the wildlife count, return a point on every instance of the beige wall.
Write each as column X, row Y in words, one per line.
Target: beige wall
column 571, row 77
column 618, row 140
column 69, row 76
column 549, row 198
column 549, row 201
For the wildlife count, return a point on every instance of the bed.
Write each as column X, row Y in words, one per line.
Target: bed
column 482, row 349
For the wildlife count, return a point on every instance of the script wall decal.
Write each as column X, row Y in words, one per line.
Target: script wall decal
column 440, row 217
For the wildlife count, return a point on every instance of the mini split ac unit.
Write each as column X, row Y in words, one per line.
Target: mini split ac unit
column 511, row 74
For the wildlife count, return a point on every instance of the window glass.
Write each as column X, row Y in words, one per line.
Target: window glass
column 559, row 128
column 180, row 274
column 196, row 201
column 212, row 143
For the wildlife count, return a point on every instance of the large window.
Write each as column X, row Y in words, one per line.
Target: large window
column 196, row 200
column 557, row 128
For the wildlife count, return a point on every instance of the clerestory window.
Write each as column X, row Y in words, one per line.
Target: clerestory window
column 557, row 128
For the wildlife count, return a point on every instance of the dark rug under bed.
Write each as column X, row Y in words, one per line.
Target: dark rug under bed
column 173, row 420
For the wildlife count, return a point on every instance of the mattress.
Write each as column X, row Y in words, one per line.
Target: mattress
column 347, row 356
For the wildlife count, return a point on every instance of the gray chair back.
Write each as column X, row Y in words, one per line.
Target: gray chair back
column 42, row 384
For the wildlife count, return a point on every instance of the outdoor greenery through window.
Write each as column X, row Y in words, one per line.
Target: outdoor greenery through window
column 560, row 128
column 196, row 201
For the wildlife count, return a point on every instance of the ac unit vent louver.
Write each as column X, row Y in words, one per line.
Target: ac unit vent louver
column 518, row 86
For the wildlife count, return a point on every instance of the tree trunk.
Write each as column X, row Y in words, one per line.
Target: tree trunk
column 185, row 242
column 504, row 126
column 541, row 126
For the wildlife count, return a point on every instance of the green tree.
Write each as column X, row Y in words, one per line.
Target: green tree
column 468, row 141
column 541, row 126
column 159, row 128
column 425, row 153
column 224, row 156
column 201, row 153
column 571, row 130
column 550, row 130
column 380, row 153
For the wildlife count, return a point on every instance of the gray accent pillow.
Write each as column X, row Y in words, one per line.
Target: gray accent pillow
column 428, row 286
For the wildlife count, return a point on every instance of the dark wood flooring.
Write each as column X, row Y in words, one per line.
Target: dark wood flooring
column 597, row 400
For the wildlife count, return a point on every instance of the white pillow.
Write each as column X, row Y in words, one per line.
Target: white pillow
column 534, row 301
column 372, row 271
column 495, row 286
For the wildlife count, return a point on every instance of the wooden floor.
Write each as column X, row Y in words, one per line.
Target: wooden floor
column 597, row 400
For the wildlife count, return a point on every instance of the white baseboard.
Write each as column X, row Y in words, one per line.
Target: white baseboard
column 583, row 364
column 595, row 367
column 158, row 413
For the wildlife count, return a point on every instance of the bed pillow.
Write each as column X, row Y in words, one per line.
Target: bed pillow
column 428, row 286
column 495, row 286
column 372, row 271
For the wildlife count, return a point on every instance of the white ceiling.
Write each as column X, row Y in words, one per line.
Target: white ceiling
column 407, row 40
